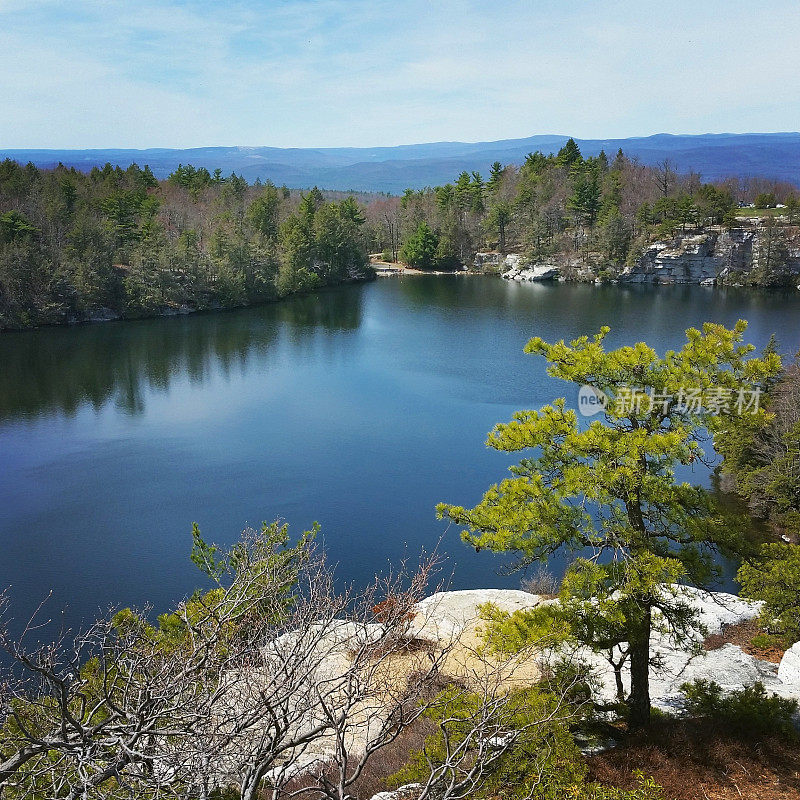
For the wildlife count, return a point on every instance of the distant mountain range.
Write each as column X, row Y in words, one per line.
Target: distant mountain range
column 393, row 169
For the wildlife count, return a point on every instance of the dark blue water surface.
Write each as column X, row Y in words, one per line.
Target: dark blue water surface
column 360, row 408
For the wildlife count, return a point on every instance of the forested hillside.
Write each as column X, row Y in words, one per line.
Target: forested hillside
column 590, row 216
column 119, row 243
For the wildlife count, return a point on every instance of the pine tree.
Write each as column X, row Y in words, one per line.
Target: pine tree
column 419, row 250
column 569, row 155
column 609, row 488
column 496, row 177
column 585, row 198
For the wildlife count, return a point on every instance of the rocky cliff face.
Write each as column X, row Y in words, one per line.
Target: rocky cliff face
column 762, row 256
column 735, row 256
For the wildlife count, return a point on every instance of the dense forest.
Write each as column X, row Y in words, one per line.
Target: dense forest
column 119, row 243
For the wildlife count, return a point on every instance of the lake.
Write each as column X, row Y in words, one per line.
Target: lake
column 360, row 407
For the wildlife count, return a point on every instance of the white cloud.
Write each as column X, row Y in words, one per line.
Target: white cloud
column 172, row 73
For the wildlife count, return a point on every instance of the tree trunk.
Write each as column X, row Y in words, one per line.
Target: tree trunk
column 617, row 667
column 618, row 681
column 639, row 699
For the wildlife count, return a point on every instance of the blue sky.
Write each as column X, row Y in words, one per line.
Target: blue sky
column 185, row 73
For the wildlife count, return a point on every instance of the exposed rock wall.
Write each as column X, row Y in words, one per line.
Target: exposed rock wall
column 718, row 257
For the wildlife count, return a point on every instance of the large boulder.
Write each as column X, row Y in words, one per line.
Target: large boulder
column 789, row 668
column 729, row 666
column 517, row 271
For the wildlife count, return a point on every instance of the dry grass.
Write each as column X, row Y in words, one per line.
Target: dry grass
column 698, row 760
column 391, row 760
column 690, row 759
column 741, row 634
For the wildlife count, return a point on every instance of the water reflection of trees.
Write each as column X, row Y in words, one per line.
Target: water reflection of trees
column 61, row 370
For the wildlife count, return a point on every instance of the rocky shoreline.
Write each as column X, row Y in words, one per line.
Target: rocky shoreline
column 738, row 257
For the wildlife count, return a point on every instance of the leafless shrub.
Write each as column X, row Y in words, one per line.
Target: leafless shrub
column 541, row 581
column 270, row 678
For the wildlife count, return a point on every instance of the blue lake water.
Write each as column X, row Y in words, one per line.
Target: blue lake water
column 360, row 407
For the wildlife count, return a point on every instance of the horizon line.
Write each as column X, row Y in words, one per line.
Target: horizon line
column 5, row 148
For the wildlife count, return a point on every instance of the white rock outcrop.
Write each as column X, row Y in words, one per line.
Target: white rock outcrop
column 789, row 668
column 707, row 258
column 517, row 270
column 685, row 259
column 408, row 790
column 444, row 616
column 675, row 664
column 452, row 618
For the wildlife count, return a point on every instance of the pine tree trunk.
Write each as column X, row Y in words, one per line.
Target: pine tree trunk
column 639, row 699
column 618, row 681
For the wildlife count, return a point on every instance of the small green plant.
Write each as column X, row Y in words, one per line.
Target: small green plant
column 749, row 710
column 768, row 641
column 646, row 789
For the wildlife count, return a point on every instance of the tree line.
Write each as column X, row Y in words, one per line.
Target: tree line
column 116, row 242
column 119, row 242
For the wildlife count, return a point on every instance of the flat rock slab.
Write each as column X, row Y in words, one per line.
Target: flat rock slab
column 446, row 615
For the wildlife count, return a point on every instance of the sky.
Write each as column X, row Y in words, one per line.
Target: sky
column 189, row 73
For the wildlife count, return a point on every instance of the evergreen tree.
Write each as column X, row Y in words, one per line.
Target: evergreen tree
column 477, row 188
column 585, row 198
column 496, row 177
column 419, row 250
column 569, row 155
column 263, row 212
column 497, row 222
column 610, row 489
